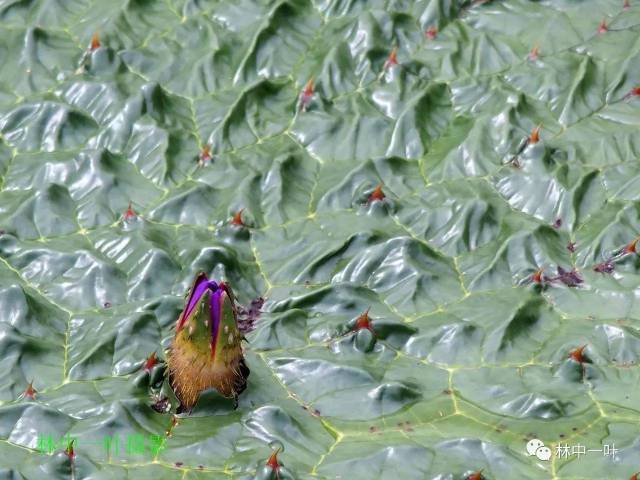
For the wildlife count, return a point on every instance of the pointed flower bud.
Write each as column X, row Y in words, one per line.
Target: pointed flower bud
column 206, row 351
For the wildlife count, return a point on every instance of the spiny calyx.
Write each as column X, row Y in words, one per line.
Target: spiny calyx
column 206, row 351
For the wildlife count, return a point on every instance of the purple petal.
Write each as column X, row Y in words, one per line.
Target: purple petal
column 200, row 286
column 216, row 316
column 197, row 295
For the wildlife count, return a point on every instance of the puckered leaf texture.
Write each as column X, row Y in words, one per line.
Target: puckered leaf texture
column 189, row 138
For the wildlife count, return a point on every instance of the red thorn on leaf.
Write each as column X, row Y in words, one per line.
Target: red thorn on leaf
column 431, row 33
column 151, row 362
column 557, row 223
column 307, row 94
column 635, row 476
column 205, row 154
column 377, row 194
column 635, row 92
column 537, row 276
column 273, row 463
column 578, row 355
column 475, row 475
column 392, row 59
column 70, row 451
column 129, row 214
column 237, row 218
column 631, row 247
column 30, row 392
column 534, row 53
column 308, row 88
column 626, row 6
column 363, row 321
column 603, row 27
column 535, row 135
column 95, row 42
column 571, row 246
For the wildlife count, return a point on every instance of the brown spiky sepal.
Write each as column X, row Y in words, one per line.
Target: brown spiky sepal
column 206, row 351
column 190, row 373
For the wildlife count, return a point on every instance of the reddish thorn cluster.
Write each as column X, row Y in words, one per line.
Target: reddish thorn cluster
column 534, row 53
column 70, row 452
column 205, row 154
column 475, row 475
column 571, row 246
column 151, row 362
column 578, row 355
column 609, row 265
column 626, row 5
column 635, row 476
column 363, row 321
column 377, row 194
column 571, row 278
column 95, row 42
column 535, row 135
column 237, row 218
column 273, row 463
column 431, row 33
column 129, row 214
column 30, row 392
column 603, row 27
column 392, row 59
column 557, row 223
